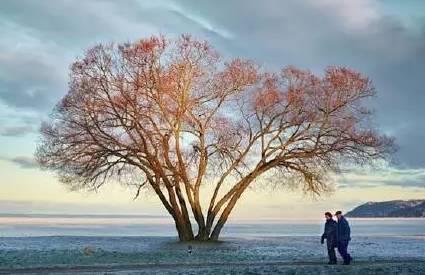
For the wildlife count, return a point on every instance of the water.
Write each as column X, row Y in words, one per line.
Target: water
column 55, row 225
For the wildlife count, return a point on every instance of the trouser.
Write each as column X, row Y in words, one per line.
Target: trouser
column 342, row 249
column 331, row 254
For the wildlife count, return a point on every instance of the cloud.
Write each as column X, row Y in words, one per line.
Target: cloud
column 69, row 24
column 18, row 122
column 388, row 176
column 201, row 22
column 23, row 162
column 32, row 75
column 16, row 131
column 40, row 40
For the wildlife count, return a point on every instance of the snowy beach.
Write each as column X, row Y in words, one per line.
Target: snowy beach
column 388, row 246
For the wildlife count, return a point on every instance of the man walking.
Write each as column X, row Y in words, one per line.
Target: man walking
column 330, row 235
column 343, row 233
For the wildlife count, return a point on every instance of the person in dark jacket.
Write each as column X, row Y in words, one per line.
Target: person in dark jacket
column 343, row 235
column 330, row 235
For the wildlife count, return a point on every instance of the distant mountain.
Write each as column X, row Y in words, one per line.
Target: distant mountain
column 398, row 208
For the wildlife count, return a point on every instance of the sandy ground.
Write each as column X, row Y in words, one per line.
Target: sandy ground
column 163, row 255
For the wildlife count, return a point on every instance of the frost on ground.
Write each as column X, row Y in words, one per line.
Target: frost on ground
column 162, row 255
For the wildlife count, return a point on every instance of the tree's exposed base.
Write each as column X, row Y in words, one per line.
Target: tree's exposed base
column 194, row 241
column 199, row 239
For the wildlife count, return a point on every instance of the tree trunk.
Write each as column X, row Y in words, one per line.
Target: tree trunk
column 202, row 230
column 223, row 218
column 202, row 234
column 216, row 232
column 226, row 212
column 186, row 233
column 184, row 229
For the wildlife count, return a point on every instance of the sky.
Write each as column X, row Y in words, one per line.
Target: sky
column 384, row 39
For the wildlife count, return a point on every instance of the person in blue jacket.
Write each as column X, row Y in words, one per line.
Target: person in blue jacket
column 330, row 235
column 343, row 236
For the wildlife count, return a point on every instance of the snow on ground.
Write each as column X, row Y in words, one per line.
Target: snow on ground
column 379, row 246
column 164, row 255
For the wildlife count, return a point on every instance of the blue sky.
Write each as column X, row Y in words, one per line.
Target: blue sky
column 384, row 39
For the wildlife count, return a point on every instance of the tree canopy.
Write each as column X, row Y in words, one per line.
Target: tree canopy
column 175, row 116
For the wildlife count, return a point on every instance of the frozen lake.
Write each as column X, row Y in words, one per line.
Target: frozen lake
column 79, row 225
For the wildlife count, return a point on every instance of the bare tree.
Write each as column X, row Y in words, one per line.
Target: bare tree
column 175, row 114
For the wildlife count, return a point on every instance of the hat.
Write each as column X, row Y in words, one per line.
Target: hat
column 338, row 212
column 328, row 214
